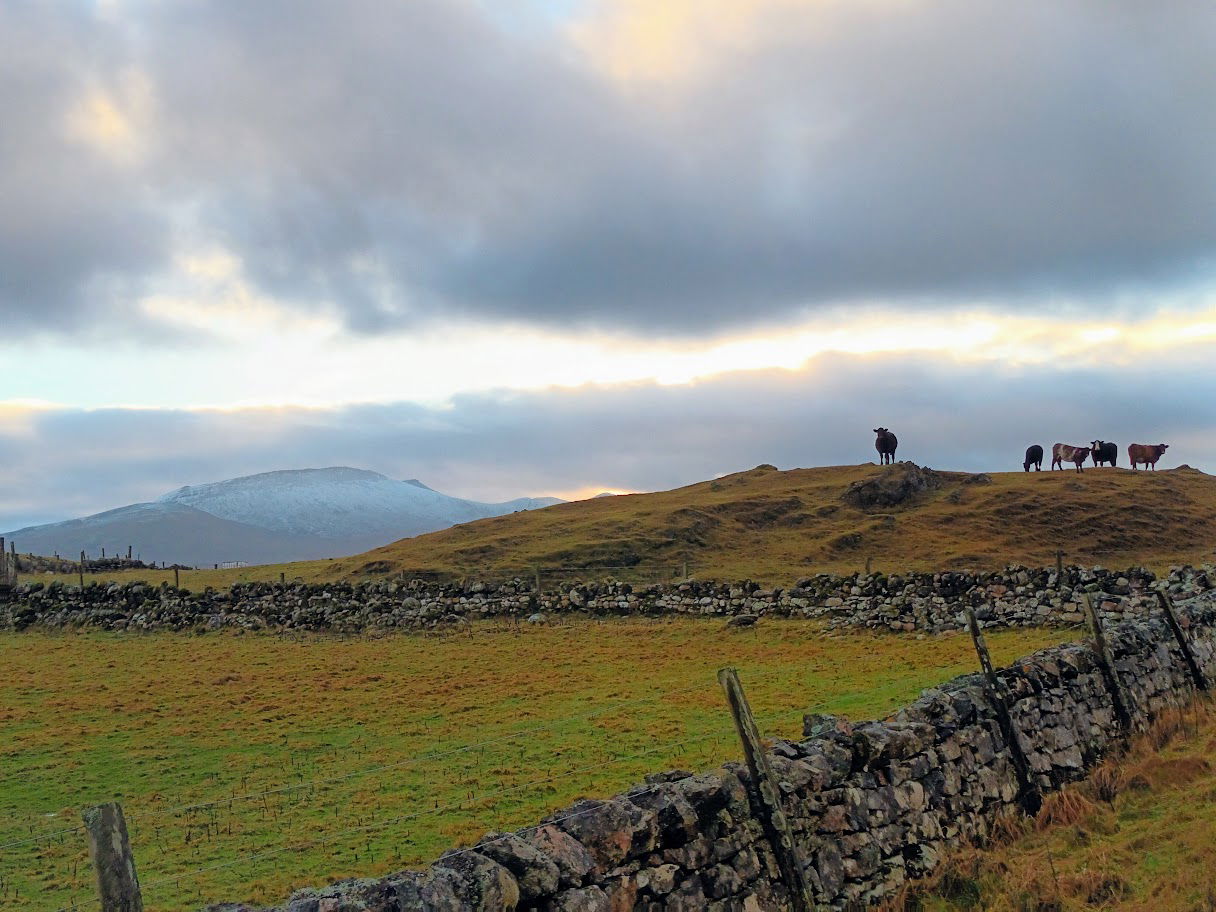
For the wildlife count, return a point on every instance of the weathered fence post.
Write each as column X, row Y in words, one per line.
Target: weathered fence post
column 869, row 559
column 5, row 580
column 1029, row 797
column 1171, row 618
column 1059, row 569
column 177, row 580
column 128, row 552
column 113, row 863
column 767, row 794
column 685, row 576
column 82, row 571
column 536, row 570
column 1107, row 663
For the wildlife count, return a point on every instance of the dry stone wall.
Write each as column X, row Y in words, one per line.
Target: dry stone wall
column 931, row 602
column 872, row 804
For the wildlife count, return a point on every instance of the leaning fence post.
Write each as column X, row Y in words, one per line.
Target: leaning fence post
column 1107, row 663
column 764, row 782
column 1028, row 792
column 1171, row 618
column 113, row 863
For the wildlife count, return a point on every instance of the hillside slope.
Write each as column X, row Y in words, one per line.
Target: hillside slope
column 339, row 503
column 171, row 532
column 775, row 525
column 289, row 515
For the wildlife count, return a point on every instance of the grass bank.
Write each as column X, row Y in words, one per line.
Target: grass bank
column 1139, row 834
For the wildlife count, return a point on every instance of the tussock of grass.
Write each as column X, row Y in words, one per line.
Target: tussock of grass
column 774, row 526
column 1064, row 808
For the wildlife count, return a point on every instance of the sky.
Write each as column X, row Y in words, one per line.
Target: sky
column 595, row 245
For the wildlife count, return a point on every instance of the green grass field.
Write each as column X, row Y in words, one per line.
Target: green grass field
column 363, row 738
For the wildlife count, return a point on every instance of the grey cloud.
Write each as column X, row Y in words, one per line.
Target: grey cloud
column 407, row 162
column 78, row 231
column 647, row 437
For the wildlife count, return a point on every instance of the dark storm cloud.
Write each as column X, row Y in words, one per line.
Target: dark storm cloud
column 647, row 437
column 415, row 161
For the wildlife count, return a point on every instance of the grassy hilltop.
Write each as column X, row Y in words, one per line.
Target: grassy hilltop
column 775, row 525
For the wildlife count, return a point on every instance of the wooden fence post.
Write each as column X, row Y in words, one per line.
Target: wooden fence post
column 1059, row 569
column 82, row 570
column 767, row 794
column 113, row 863
column 177, row 580
column 868, row 560
column 536, row 570
column 1029, row 797
column 685, row 570
column 1107, row 663
column 1171, row 618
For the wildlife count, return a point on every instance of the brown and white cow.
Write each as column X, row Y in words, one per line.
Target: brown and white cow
column 1066, row 452
column 1148, row 453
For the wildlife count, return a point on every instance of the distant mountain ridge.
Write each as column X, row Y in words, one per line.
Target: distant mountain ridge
column 293, row 514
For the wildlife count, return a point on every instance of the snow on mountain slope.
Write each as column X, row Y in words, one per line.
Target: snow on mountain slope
column 339, row 502
column 173, row 533
column 276, row 516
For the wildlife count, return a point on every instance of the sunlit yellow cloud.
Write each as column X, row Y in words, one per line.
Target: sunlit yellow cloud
column 113, row 120
column 638, row 41
column 273, row 358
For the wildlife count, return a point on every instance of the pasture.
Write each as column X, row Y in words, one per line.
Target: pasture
column 318, row 758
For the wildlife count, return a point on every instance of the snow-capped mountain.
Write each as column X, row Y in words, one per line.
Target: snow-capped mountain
column 275, row 516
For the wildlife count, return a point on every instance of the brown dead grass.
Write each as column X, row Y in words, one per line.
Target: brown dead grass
column 1139, row 833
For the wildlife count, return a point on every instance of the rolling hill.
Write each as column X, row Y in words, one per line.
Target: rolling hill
column 776, row 525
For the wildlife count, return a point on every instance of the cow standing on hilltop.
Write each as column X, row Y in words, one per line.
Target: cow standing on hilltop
column 1104, row 452
column 885, row 443
column 1148, row 453
column 1066, row 452
column 1034, row 457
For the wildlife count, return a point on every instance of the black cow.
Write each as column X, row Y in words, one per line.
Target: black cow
column 1104, row 452
column 1034, row 457
column 885, row 443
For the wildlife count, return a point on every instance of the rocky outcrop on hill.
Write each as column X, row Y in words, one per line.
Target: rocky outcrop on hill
column 892, row 486
column 929, row 602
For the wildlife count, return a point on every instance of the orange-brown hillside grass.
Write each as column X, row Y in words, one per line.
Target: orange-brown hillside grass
column 775, row 526
column 1139, row 833
column 359, row 744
